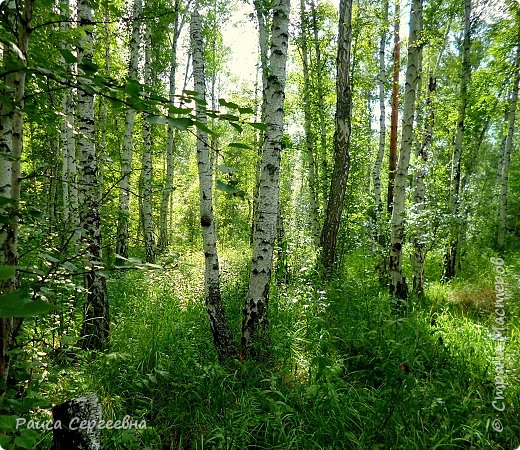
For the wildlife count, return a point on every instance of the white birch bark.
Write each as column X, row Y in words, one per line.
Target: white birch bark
column 256, row 304
column 95, row 331
column 504, row 179
column 128, row 140
column 309, row 136
column 342, row 131
column 167, row 191
column 219, row 327
column 145, row 182
column 398, row 287
column 452, row 252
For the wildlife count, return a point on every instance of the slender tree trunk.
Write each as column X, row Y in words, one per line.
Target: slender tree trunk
column 394, row 119
column 376, row 173
column 504, row 179
column 398, row 287
column 145, row 182
column 11, row 145
column 263, row 43
column 338, row 186
column 95, row 332
column 254, row 325
column 128, row 142
column 309, row 136
column 324, row 178
column 164, row 217
column 219, row 326
column 419, row 199
column 451, row 256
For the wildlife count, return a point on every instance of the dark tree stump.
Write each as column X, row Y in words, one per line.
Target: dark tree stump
column 76, row 424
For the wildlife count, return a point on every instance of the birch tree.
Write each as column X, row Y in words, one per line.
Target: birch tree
column 451, row 255
column 511, row 117
column 128, row 140
column 218, row 323
column 394, row 119
column 376, row 173
column 256, row 304
column 309, row 135
column 167, row 191
column 338, row 186
column 145, row 181
column 398, row 286
column 95, row 331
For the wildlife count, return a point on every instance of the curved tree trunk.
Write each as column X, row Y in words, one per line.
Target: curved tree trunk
column 256, row 305
column 398, row 286
column 338, row 185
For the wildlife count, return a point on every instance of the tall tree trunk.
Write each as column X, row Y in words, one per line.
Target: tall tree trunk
column 164, row 216
column 128, row 142
column 338, row 185
column 504, row 179
column 376, row 173
column 263, row 44
column 254, row 325
column 219, row 326
column 398, row 287
column 309, row 136
column 394, row 119
column 324, row 178
column 11, row 145
column 451, row 255
column 145, row 182
column 419, row 198
column 95, row 331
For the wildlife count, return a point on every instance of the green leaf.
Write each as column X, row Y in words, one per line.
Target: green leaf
column 68, row 56
column 227, row 169
column 231, row 105
column 181, row 123
column 229, row 117
column 190, row 93
column 155, row 119
column 246, row 110
column 7, row 272
column 204, row 127
column 88, row 67
column 27, row 439
column 19, row 304
column 69, row 266
column 258, row 125
column 5, row 200
column 5, row 441
column 8, row 422
column 236, row 126
column 226, row 187
column 239, row 145
column 48, row 257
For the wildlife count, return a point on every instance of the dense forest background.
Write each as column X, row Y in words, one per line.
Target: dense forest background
column 324, row 255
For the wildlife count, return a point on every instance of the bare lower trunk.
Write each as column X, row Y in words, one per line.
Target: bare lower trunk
column 254, row 323
column 398, row 286
column 338, row 186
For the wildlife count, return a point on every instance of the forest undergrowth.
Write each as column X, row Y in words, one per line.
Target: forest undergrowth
column 347, row 369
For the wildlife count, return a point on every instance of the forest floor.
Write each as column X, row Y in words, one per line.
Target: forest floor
column 347, row 370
